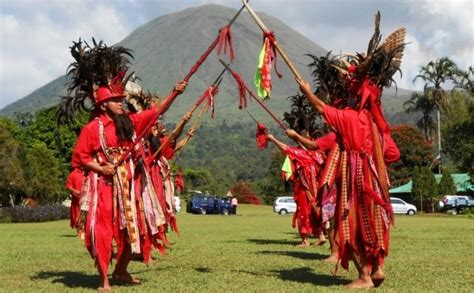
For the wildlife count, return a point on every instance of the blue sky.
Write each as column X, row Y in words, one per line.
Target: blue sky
column 35, row 34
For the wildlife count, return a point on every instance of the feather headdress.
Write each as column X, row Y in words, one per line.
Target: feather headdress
column 353, row 76
column 93, row 67
column 381, row 61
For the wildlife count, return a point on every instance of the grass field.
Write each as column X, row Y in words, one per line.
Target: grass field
column 253, row 251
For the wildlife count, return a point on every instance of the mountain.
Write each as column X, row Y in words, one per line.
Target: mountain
column 168, row 46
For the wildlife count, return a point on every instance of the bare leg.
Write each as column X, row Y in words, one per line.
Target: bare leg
column 364, row 281
column 334, row 257
column 321, row 238
column 120, row 273
column 304, row 241
column 104, row 280
column 378, row 276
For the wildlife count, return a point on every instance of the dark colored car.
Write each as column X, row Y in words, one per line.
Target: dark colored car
column 203, row 204
column 455, row 203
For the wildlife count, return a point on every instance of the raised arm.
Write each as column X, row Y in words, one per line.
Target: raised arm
column 179, row 129
column 305, row 88
column 185, row 140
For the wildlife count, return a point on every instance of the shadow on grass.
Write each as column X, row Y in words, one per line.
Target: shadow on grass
column 272, row 241
column 297, row 254
column 68, row 235
column 77, row 279
column 305, row 275
column 294, row 234
column 203, row 270
column 70, row 279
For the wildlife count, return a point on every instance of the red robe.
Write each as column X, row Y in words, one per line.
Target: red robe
column 362, row 213
column 74, row 184
column 106, row 213
column 307, row 164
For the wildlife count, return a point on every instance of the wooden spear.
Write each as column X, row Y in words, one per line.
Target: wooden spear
column 172, row 96
column 173, row 135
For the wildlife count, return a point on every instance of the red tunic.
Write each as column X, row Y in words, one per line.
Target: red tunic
column 362, row 222
column 88, row 148
column 74, row 184
column 326, row 142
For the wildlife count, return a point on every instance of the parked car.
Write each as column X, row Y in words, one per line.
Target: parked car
column 455, row 203
column 177, row 204
column 202, row 204
column 399, row 206
column 284, row 205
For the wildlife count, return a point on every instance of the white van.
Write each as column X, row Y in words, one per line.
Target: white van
column 284, row 205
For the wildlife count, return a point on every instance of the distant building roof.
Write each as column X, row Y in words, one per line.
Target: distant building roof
column 461, row 180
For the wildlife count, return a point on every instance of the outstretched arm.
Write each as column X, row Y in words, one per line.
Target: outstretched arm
column 278, row 143
column 307, row 143
column 305, row 88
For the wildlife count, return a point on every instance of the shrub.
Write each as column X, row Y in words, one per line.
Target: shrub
column 21, row 214
column 241, row 190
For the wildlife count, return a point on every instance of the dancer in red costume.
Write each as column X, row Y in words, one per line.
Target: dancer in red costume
column 113, row 213
column 160, row 171
column 364, row 228
column 307, row 164
column 74, row 184
column 326, row 196
column 364, row 213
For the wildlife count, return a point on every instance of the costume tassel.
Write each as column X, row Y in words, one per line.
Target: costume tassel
column 225, row 41
column 262, row 136
column 242, row 90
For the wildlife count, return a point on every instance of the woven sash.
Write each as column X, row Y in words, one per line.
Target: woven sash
column 343, row 200
column 329, row 173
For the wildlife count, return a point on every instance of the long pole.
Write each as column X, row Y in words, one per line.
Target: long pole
column 439, row 142
column 212, row 89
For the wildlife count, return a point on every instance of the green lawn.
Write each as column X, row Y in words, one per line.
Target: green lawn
column 250, row 252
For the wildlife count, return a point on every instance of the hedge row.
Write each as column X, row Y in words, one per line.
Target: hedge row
column 21, row 214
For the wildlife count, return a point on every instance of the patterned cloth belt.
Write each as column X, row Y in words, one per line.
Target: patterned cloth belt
column 123, row 193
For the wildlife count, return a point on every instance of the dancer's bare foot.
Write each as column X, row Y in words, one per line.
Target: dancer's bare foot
column 320, row 242
column 378, row 277
column 332, row 258
column 360, row 284
column 303, row 243
column 125, row 278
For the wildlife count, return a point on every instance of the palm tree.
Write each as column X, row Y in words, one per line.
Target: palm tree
column 419, row 102
column 435, row 74
column 302, row 117
column 465, row 80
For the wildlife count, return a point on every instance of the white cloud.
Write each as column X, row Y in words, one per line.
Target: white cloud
column 35, row 44
column 35, row 35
